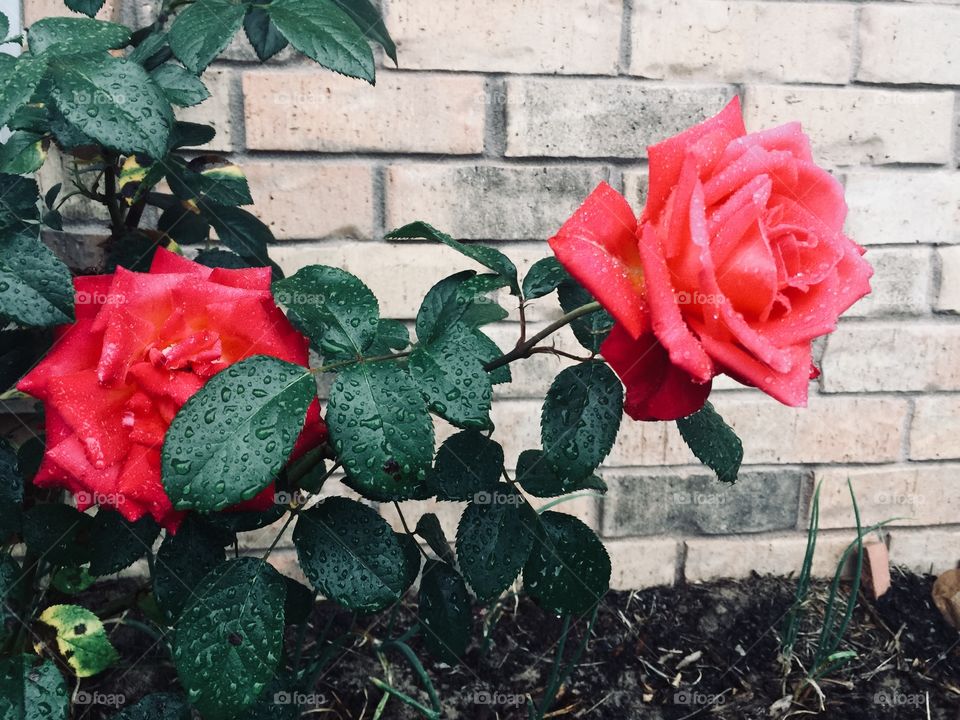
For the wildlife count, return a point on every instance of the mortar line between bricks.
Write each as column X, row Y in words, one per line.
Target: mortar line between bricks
column 855, row 49
column 626, row 38
column 495, row 117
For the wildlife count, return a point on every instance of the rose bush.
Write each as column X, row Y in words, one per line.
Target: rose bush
column 142, row 345
column 736, row 264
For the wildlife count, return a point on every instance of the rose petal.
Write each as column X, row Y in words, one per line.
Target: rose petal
column 165, row 261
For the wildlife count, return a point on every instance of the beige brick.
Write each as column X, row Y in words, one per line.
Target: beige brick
column 34, row 10
column 831, row 429
column 737, row 41
column 900, row 283
column 401, row 273
column 900, row 44
column 895, row 206
column 935, row 430
column 310, row 200
column 892, row 356
column 567, row 117
column 533, row 36
column 215, row 110
column 713, row 558
column 405, row 112
column 492, row 202
column 915, row 494
column 849, row 126
column 925, row 551
column 642, row 563
column 948, row 300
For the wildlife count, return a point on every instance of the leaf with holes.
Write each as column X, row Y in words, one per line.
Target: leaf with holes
column 714, row 442
column 81, row 639
column 538, row 477
column 229, row 640
column 116, row 543
column 114, row 101
column 445, row 613
column 494, row 538
column 332, row 307
column 467, row 463
column 453, row 382
column 543, row 278
column 580, row 419
column 569, row 570
column 590, row 330
column 233, row 436
column 489, row 257
column 322, row 31
column 201, row 31
column 350, row 554
column 380, row 429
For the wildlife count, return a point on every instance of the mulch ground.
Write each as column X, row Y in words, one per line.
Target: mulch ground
column 695, row 651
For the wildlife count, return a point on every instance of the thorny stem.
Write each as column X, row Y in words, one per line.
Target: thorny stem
column 525, row 349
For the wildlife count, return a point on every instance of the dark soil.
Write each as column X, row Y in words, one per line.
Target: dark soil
column 695, row 651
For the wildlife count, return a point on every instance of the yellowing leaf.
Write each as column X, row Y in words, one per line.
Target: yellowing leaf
column 81, row 639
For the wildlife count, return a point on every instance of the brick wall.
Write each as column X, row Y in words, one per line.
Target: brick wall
column 506, row 113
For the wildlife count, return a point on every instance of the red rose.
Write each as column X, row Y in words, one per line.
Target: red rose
column 737, row 263
column 143, row 343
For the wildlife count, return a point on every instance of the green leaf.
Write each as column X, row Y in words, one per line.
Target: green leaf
column 453, row 382
column 714, row 442
column 263, row 35
column 209, row 180
column 350, row 554
column 18, row 79
column 332, row 307
column 114, row 101
column 445, row 612
column 392, row 336
column 299, row 602
column 156, row 706
column 81, row 639
column 368, row 19
column 181, row 87
column 543, row 278
column 116, row 543
column 590, row 330
column 182, row 562
column 240, row 231
column 72, row 36
column 458, row 299
column 322, row 31
column 11, row 492
column 33, row 688
column 203, row 30
column 72, row 580
column 188, row 134
column 467, row 463
column 35, row 287
column 60, row 533
column 538, row 477
column 86, row 7
column 215, row 257
column 13, row 593
column 380, row 429
column 4, row 26
column 183, row 225
column 23, row 153
column 428, row 527
column 18, row 211
column 494, row 538
column 233, row 436
column 479, row 344
column 486, row 256
column 229, row 640
column 569, row 570
column 580, row 419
